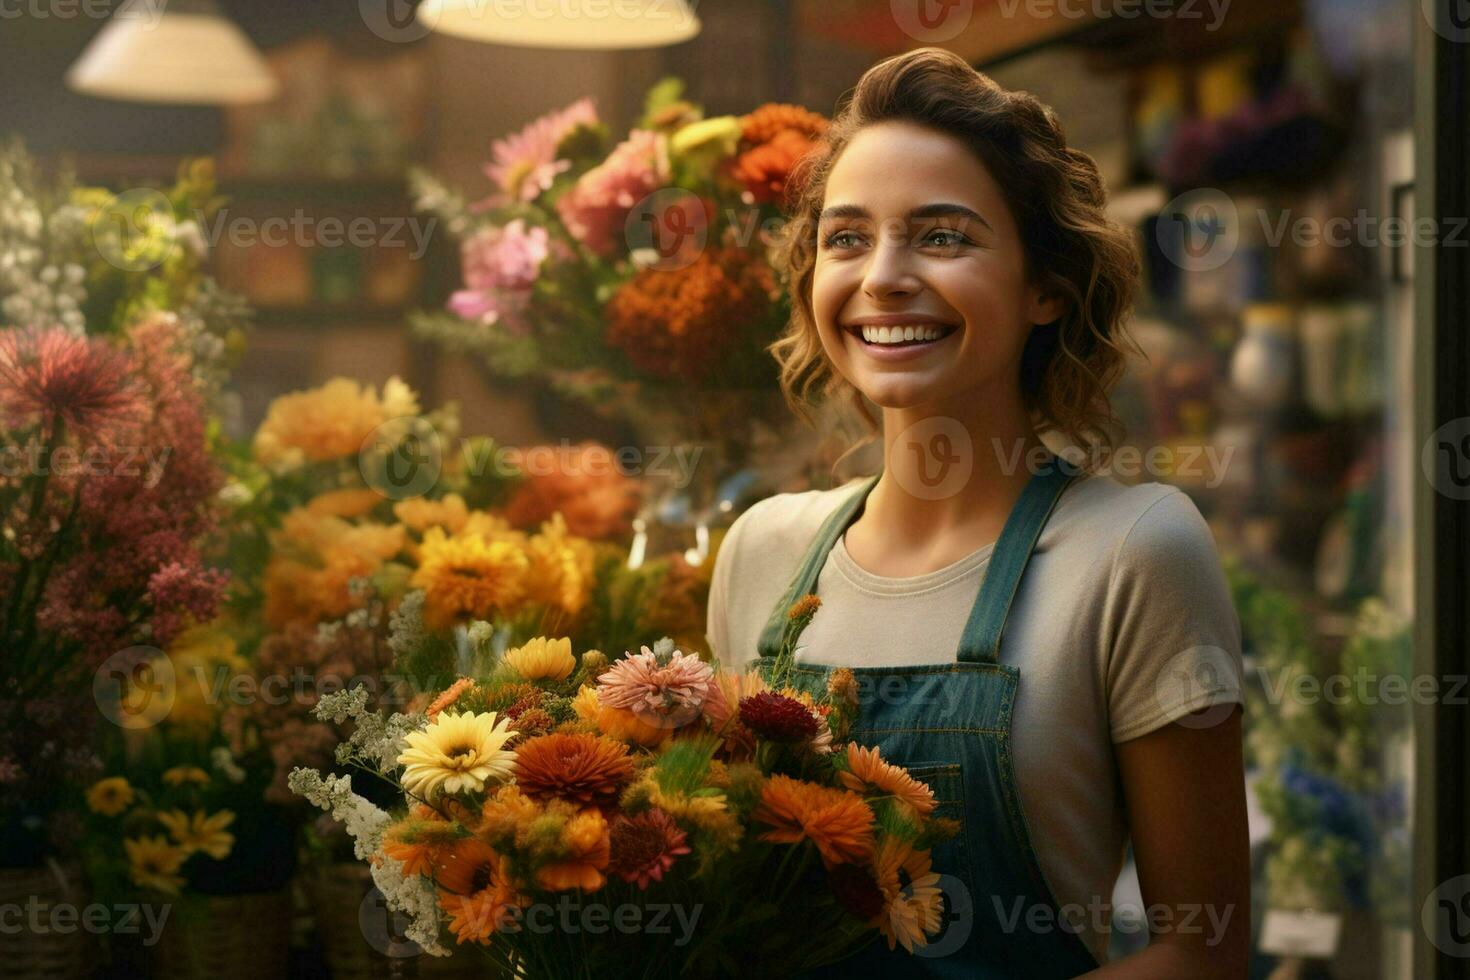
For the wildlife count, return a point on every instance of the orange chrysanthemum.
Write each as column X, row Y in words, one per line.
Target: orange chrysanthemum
column 585, row 769
column 420, row 842
column 588, row 841
column 838, row 822
column 913, row 899
column 868, row 771
column 483, row 894
column 763, row 123
column 583, row 483
column 678, row 323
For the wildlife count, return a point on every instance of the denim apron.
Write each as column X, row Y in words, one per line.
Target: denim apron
column 949, row 724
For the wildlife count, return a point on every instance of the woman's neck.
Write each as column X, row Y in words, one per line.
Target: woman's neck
column 951, row 474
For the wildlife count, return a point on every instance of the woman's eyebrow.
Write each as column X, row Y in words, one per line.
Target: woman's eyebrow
column 940, row 209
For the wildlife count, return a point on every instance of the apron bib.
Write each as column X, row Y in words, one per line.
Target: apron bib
column 949, row 724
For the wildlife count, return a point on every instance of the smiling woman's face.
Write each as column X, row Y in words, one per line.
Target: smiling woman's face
column 915, row 231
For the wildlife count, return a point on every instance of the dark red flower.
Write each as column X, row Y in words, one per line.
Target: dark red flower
column 52, row 374
column 777, row 718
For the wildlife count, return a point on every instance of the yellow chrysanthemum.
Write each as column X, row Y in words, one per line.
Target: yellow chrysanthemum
column 467, row 576
column 457, row 753
column 589, row 845
column 200, row 833
column 329, row 422
column 110, row 796
column 200, row 656
column 561, row 567
column 543, row 659
column 154, row 863
column 585, row 704
column 344, row 503
column 179, row 775
column 420, row 513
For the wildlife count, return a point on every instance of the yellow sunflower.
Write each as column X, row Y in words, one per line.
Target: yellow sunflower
column 154, row 863
column 110, row 796
column 543, row 659
column 457, row 753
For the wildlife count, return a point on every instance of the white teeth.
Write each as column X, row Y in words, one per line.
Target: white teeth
column 898, row 335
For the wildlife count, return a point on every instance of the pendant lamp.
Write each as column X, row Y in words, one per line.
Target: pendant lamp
column 592, row 24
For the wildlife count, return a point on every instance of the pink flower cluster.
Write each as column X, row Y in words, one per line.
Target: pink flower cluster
column 121, row 535
column 596, row 206
column 500, row 267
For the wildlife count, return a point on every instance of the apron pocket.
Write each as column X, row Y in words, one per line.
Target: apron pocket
column 947, row 780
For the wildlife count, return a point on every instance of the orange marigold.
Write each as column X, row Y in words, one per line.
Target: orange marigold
column 839, row 823
column 678, row 323
column 764, row 123
column 585, row 769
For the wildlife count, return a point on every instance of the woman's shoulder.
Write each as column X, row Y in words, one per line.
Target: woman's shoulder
column 786, row 522
column 1134, row 523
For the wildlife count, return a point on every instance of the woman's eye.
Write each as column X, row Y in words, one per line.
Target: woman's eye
column 838, row 239
column 945, row 238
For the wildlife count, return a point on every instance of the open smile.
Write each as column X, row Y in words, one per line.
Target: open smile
column 900, row 339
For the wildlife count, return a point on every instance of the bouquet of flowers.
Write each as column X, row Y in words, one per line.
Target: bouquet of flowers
column 636, row 277
column 543, row 784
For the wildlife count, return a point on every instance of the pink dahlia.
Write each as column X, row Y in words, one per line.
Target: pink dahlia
column 661, row 688
column 50, row 375
column 500, row 267
column 524, row 164
column 644, row 846
column 596, row 206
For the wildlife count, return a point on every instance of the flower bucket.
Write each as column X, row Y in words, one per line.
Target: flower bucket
column 223, row 937
column 359, row 937
column 50, row 954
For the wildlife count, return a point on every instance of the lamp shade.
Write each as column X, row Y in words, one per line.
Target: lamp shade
column 604, row 24
column 190, row 56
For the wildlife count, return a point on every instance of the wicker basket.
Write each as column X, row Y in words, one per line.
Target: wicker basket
column 356, row 944
column 34, row 955
column 223, row 937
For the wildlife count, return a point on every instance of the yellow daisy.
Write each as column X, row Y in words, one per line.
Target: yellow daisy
column 200, row 833
column 154, row 863
column 543, row 659
column 457, row 753
column 110, row 796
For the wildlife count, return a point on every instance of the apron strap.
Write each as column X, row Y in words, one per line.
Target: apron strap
column 805, row 579
column 980, row 642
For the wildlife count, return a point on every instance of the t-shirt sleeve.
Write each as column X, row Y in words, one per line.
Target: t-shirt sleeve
column 1171, row 629
column 717, row 624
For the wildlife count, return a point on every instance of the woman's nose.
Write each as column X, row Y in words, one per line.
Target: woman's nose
column 889, row 270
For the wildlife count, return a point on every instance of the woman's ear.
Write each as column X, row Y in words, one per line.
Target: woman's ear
column 1046, row 307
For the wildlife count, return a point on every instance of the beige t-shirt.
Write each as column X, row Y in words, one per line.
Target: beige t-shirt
column 1122, row 623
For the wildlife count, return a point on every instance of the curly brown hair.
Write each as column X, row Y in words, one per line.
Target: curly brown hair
column 1072, row 248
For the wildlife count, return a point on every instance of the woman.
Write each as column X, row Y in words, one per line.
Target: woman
column 1055, row 653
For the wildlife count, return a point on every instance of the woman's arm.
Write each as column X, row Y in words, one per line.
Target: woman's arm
column 1184, row 786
